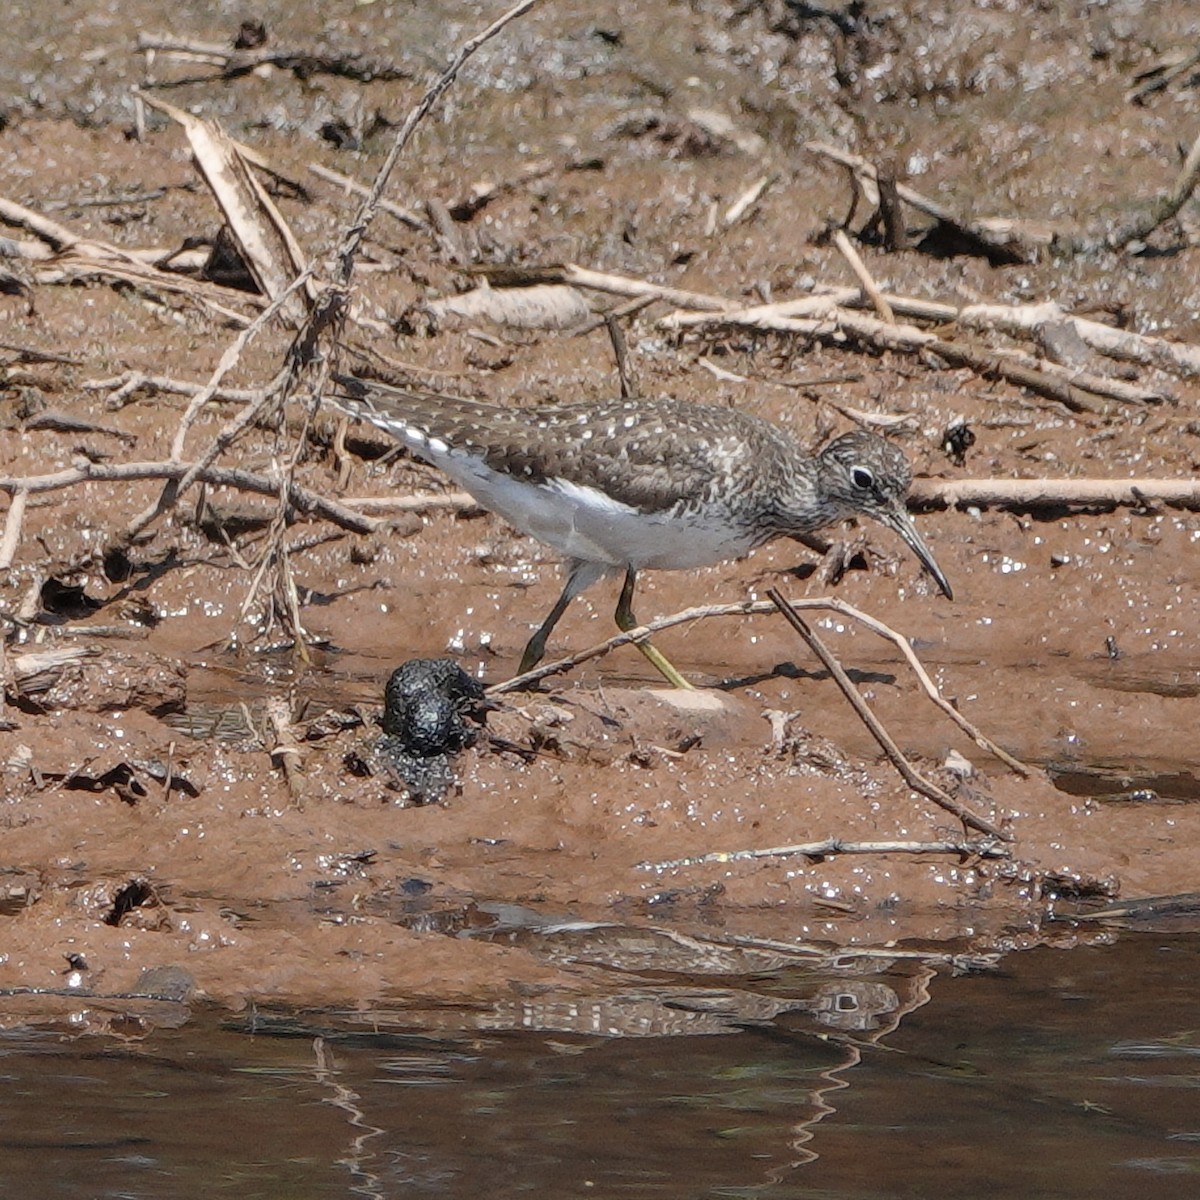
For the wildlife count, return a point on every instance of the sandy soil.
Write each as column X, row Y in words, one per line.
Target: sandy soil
column 1071, row 640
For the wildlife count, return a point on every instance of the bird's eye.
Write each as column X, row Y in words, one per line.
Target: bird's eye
column 863, row 479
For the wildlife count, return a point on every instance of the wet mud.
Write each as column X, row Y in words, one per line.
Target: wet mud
column 148, row 819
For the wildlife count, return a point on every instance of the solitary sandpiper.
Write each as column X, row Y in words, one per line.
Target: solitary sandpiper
column 636, row 484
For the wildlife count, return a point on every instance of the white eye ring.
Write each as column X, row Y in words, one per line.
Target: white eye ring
column 863, row 479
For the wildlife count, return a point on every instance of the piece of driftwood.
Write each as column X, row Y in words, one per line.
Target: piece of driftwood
column 456, row 502
column 1020, row 320
column 541, row 306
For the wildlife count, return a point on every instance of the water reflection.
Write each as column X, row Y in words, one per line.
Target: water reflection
column 1067, row 1074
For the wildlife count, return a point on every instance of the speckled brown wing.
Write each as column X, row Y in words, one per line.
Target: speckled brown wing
column 649, row 454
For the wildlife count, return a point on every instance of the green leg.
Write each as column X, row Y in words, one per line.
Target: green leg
column 627, row 621
column 536, row 648
column 580, row 576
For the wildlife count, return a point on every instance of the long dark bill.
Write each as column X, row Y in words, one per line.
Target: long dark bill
column 899, row 520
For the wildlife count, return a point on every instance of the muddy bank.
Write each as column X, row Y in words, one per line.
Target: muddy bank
column 146, row 822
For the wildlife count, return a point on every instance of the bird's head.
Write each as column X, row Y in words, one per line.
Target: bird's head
column 863, row 474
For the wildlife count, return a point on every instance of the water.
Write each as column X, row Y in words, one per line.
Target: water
column 1064, row 1074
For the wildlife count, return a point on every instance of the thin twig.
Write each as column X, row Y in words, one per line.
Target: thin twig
column 302, row 499
column 229, row 360
column 352, row 241
column 908, row 772
column 404, row 215
column 749, row 608
column 625, row 377
column 870, row 287
column 831, row 846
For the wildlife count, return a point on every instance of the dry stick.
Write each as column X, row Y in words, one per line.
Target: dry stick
column 353, row 238
column 907, row 771
column 300, row 498
column 900, row 337
column 170, row 494
column 1027, row 494
column 928, row 686
column 628, row 383
column 748, row 608
column 1021, row 320
column 404, row 215
column 305, row 63
column 987, row 362
column 561, row 666
column 895, row 231
column 449, row 241
column 229, row 360
column 138, row 266
column 882, row 307
column 1089, row 381
column 429, row 502
column 822, row 298
column 12, row 527
column 31, row 354
column 57, row 236
column 124, row 385
column 832, row 846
